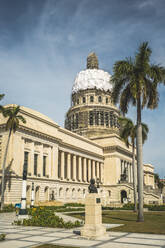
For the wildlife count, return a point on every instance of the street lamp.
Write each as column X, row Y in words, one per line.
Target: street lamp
column 23, row 210
column 98, row 183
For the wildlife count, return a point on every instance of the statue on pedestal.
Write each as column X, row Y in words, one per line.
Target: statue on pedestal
column 92, row 188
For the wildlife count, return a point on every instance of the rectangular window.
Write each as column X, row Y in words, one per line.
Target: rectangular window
column 111, row 119
column 91, row 99
column 76, row 124
column 102, row 118
column 84, row 99
column 77, row 167
column 59, row 164
column 35, row 164
column 97, row 118
column 91, row 118
column 25, row 162
column 106, row 119
column 44, row 166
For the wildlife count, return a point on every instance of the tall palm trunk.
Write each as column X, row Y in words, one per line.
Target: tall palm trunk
column 134, row 177
column 3, row 171
column 139, row 161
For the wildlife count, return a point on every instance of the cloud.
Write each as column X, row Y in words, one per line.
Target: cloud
column 44, row 44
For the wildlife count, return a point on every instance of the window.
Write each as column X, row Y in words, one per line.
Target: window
column 25, row 169
column 91, row 118
column 99, row 99
column 107, row 100
column 76, row 124
column 111, row 119
column 78, row 101
column 106, row 119
column 73, row 122
column 91, row 99
column 102, row 118
column 35, row 164
column 59, row 164
column 44, row 166
column 97, row 118
column 84, row 99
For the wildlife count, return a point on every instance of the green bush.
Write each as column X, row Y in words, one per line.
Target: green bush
column 155, row 207
column 2, row 236
column 45, row 217
column 73, row 204
column 8, row 208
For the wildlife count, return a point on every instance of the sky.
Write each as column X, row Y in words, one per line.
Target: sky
column 45, row 43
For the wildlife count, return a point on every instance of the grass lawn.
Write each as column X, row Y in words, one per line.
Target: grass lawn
column 154, row 222
column 54, row 246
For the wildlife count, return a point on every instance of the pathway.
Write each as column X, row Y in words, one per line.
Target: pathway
column 24, row 237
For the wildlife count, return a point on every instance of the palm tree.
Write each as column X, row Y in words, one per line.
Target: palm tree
column 135, row 81
column 12, row 124
column 128, row 131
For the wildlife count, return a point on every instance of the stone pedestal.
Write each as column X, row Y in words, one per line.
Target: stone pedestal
column 93, row 227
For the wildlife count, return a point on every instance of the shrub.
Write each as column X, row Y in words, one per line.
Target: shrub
column 2, row 236
column 8, row 208
column 73, row 204
column 45, row 217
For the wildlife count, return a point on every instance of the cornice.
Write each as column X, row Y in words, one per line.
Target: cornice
column 84, row 107
column 119, row 149
column 77, row 136
column 39, row 118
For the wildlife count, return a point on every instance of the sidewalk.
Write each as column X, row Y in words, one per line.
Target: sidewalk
column 23, row 237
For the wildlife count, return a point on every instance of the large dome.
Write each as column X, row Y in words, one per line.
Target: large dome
column 91, row 79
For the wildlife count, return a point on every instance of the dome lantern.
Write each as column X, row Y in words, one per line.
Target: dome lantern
column 92, row 61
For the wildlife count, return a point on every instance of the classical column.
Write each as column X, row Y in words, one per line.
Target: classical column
column 93, row 165
column 85, row 170
column 131, row 176
column 54, row 162
column 68, row 166
column 74, row 167
column 40, row 161
column 31, row 162
column 97, row 166
column 79, row 169
column 62, row 165
column 102, row 172
column 89, row 170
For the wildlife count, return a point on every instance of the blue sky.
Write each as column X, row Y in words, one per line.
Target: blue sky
column 44, row 44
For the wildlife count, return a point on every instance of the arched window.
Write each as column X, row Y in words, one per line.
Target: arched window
column 99, row 99
column 46, row 194
column 107, row 100
column 67, row 193
column 73, row 193
column 61, row 192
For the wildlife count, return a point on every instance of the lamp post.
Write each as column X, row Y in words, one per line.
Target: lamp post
column 98, row 183
column 32, row 196
column 23, row 210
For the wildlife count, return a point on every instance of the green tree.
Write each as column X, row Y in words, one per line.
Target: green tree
column 158, row 182
column 13, row 114
column 135, row 81
column 128, row 135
